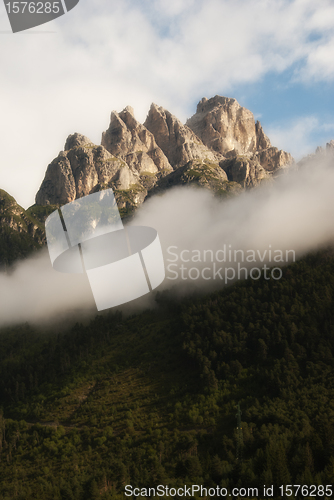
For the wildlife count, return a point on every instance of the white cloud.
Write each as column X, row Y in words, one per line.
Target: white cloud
column 173, row 8
column 292, row 213
column 301, row 136
column 105, row 55
column 35, row 292
column 320, row 62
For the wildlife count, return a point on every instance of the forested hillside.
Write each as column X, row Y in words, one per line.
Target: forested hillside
column 152, row 399
column 21, row 231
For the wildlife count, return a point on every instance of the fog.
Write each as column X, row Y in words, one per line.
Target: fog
column 33, row 291
column 277, row 222
column 292, row 212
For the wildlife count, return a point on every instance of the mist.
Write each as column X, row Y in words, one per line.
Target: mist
column 34, row 292
column 273, row 224
column 293, row 212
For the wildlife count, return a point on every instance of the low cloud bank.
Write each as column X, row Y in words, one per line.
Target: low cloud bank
column 33, row 291
column 270, row 225
column 208, row 242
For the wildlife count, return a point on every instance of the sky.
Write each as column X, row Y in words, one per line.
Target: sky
column 276, row 57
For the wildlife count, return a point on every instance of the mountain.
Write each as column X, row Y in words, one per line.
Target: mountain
column 151, row 399
column 179, row 143
column 325, row 155
column 229, row 390
column 219, row 147
column 83, row 168
column 228, row 128
column 21, row 231
column 126, row 138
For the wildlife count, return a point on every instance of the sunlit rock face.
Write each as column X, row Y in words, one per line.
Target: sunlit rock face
column 230, row 129
column 134, row 158
column 128, row 139
column 179, row 143
column 78, row 170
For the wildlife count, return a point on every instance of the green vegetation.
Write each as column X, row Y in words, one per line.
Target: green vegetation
column 147, row 174
column 127, row 199
column 151, row 399
column 41, row 212
column 208, row 174
column 198, row 174
column 194, row 173
column 86, row 145
column 114, row 159
column 228, row 188
column 148, row 180
column 21, row 231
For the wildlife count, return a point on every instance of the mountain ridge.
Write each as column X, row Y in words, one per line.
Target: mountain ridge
column 225, row 151
column 142, row 154
column 151, row 399
column 21, row 231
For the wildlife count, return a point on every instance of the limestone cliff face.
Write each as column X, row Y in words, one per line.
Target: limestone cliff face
column 224, row 126
column 262, row 141
column 222, row 138
column 228, row 128
column 126, row 138
column 273, row 159
column 80, row 169
column 220, row 148
column 179, row 143
column 245, row 171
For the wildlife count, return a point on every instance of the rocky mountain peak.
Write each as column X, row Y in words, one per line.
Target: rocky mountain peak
column 129, row 109
column 330, row 146
column 225, row 126
column 128, row 139
column 75, row 141
column 328, row 150
column 205, row 105
column 179, row 143
column 230, row 129
column 79, row 170
column 219, row 147
column 262, row 141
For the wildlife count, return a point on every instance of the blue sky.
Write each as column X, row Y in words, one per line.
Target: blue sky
column 284, row 106
column 276, row 57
